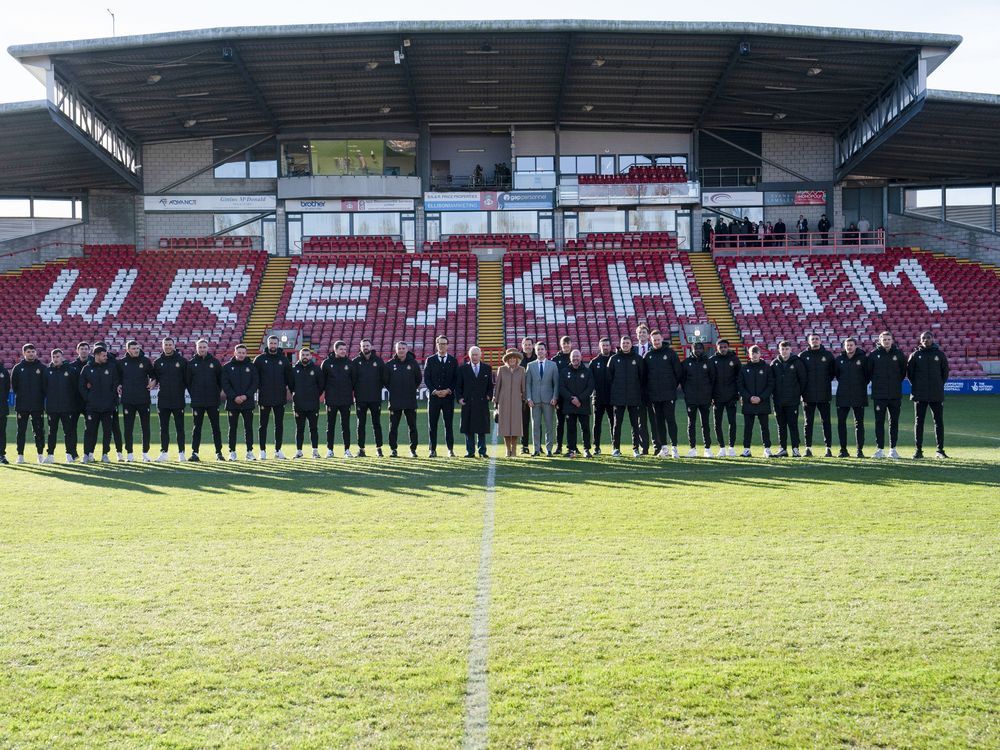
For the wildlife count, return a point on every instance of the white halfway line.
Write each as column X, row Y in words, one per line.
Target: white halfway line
column 476, row 690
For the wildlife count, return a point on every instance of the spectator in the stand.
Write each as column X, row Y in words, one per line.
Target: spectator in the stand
column 802, row 227
column 706, row 235
column 851, row 234
column 864, row 227
column 747, row 230
column 721, row 230
column 477, row 175
column 769, row 235
column 824, row 229
column 779, row 232
column 761, row 233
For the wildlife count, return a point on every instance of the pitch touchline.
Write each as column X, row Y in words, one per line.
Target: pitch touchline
column 476, row 689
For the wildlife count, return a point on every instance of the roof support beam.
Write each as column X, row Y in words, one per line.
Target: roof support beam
column 254, row 88
column 734, row 57
column 213, row 165
column 773, row 163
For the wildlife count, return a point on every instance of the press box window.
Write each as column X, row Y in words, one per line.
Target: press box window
column 241, row 163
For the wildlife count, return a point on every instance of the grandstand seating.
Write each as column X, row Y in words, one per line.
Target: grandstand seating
column 350, row 244
column 201, row 243
column 624, row 241
column 459, row 243
column 588, row 295
column 637, row 175
column 903, row 291
column 98, row 248
column 386, row 297
column 117, row 295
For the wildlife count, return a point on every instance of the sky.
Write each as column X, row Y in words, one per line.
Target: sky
column 973, row 67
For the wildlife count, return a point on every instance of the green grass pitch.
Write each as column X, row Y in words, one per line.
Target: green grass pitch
column 698, row 603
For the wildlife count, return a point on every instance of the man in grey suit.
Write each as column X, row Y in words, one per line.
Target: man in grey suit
column 542, row 393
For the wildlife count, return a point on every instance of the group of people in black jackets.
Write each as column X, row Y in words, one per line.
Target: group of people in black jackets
column 641, row 380
column 644, row 378
column 96, row 385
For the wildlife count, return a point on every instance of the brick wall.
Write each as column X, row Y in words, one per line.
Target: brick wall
column 164, row 163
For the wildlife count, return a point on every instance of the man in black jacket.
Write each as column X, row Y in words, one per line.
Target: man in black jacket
column 725, row 395
column 852, row 394
column 339, row 376
column 698, row 382
column 274, row 373
column 789, row 381
column 136, row 374
column 886, row 368
column 561, row 360
column 818, row 391
column 626, row 374
column 99, row 387
column 928, row 370
column 663, row 374
column 170, row 372
column 474, row 390
column 77, row 365
column 240, row 383
column 824, row 230
column 204, row 384
column 27, row 380
column 116, row 427
column 756, row 386
column 402, row 378
column 61, row 397
column 4, row 412
column 528, row 356
column 576, row 386
column 602, row 391
column 440, row 374
column 370, row 374
column 307, row 387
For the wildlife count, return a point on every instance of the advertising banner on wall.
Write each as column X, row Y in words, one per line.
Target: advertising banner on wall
column 240, row 203
column 513, row 200
column 351, row 205
column 795, row 198
column 731, row 198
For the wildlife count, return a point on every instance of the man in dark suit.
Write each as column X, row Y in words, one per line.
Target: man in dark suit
column 474, row 390
column 440, row 373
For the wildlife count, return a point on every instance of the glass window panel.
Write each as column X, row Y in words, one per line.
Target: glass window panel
column 78, row 209
column 376, row 223
column 923, row 201
column 567, row 164
column 16, row 208
column 54, row 208
column 318, row 225
column 684, row 231
column 222, row 222
column 653, row 220
column 608, row 164
column 525, row 163
column 232, row 152
column 514, row 222
column 235, row 170
column 625, row 162
column 365, row 157
column 586, row 165
column 295, row 234
column 545, row 163
column 401, row 158
column 329, row 157
column 295, row 160
column 970, row 205
column 601, row 221
column 263, row 160
column 463, row 222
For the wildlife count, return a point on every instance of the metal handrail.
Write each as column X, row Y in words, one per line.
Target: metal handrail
column 799, row 243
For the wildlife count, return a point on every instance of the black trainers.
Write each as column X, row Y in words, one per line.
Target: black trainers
column 829, row 453
column 361, row 453
column 781, row 454
column 809, row 452
column 219, row 457
column 557, row 451
column 393, row 454
column 524, row 450
column 432, row 454
column 194, row 458
column 861, row 453
column 378, row 452
column 4, row 461
column 918, row 453
column 941, row 454
column 844, row 453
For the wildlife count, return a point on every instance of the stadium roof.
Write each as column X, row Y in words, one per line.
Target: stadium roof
column 475, row 73
column 40, row 156
column 954, row 135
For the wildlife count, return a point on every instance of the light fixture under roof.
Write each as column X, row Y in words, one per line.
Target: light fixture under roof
column 190, row 123
column 213, row 119
column 803, row 59
column 193, row 94
column 587, row 107
column 371, row 65
column 483, row 81
column 471, row 150
column 597, row 62
column 781, row 88
column 484, row 49
column 780, row 115
column 814, row 71
column 385, row 109
column 758, row 113
column 483, row 106
column 154, row 78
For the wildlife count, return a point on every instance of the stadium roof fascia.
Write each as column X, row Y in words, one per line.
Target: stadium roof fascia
column 21, row 51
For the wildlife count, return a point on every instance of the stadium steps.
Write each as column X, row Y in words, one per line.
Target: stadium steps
column 714, row 297
column 490, row 306
column 964, row 261
column 36, row 267
column 265, row 307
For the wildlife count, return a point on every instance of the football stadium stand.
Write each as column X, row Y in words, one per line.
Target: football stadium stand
column 585, row 295
column 344, row 244
column 904, row 291
column 458, row 243
column 114, row 295
column 204, row 243
column 386, row 297
column 624, row 241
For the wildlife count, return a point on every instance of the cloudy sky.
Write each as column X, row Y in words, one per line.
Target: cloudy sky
column 973, row 67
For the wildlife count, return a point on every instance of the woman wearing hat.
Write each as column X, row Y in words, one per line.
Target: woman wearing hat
column 508, row 397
